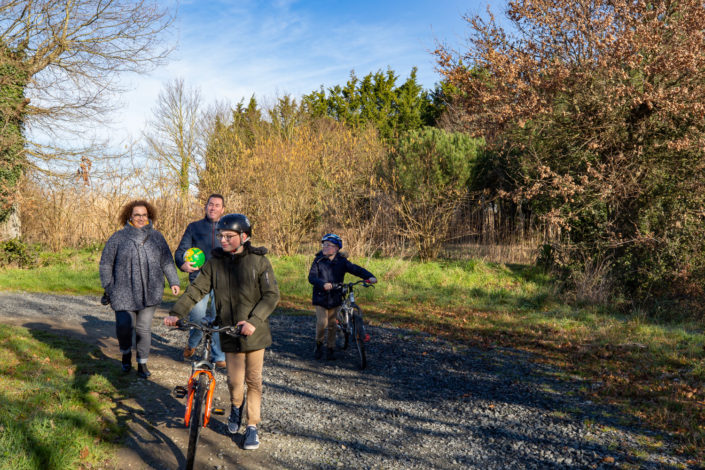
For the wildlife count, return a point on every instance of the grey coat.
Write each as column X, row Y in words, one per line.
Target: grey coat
column 133, row 265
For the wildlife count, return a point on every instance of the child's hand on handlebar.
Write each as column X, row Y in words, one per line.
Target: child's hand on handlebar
column 372, row 280
column 246, row 328
column 171, row 320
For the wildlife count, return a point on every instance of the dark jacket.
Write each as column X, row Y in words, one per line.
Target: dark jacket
column 201, row 234
column 132, row 268
column 245, row 289
column 325, row 270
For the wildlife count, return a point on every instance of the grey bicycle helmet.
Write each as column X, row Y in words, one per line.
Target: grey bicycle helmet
column 235, row 222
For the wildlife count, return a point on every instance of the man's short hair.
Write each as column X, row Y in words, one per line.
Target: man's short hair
column 216, row 195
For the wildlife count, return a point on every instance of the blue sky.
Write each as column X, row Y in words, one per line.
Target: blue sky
column 233, row 49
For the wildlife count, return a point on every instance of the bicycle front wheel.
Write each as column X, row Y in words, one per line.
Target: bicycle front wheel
column 359, row 334
column 341, row 318
column 198, row 412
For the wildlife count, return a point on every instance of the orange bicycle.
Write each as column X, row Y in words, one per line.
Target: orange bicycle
column 200, row 388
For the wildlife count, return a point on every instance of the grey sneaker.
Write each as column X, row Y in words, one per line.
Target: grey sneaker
column 251, row 441
column 235, row 418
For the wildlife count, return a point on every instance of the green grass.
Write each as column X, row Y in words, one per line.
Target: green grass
column 57, row 402
column 652, row 368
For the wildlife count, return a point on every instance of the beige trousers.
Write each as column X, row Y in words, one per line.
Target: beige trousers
column 325, row 318
column 246, row 368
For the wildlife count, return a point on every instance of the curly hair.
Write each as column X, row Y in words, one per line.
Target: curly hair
column 126, row 211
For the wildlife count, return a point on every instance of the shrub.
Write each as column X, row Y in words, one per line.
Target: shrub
column 14, row 252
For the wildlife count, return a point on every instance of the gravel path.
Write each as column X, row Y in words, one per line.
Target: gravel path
column 421, row 403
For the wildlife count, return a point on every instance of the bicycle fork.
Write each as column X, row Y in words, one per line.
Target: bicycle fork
column 191, row 391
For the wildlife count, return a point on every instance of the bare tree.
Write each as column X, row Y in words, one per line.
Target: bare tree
column 175, row 136
column 63, row 58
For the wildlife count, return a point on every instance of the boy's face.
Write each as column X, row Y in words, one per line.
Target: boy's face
column 329, row 248
column 231, row 241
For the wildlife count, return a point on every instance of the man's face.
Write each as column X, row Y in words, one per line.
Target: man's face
column 214, row 208
column 231, row 241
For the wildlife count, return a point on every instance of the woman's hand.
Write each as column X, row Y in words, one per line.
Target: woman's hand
column 247, row 328
column 170, row 320
column 327, row 286
column 175, row 290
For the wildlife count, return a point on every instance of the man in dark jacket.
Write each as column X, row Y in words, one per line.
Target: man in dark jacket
column 246, row 293
column 202, row 234
column 328, row 268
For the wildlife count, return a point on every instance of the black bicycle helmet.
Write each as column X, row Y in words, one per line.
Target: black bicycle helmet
column 333, row 238
column 235, row 222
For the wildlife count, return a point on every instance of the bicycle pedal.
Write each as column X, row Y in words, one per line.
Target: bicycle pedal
column 218, row 411
column 180, row 392
column 366, row 338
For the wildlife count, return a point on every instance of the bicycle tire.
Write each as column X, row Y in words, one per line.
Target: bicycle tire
column 344, row 328
column 198, row 411
column 359, row 334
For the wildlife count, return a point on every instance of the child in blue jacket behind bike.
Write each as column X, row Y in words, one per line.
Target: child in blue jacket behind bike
column 329, row 268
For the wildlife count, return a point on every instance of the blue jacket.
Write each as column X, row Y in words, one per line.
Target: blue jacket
column 325, row 270
column 200, row 234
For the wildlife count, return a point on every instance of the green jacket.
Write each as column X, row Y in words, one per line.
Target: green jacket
column 245, row 289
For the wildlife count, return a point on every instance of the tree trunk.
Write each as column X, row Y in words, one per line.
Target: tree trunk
column 11, row 226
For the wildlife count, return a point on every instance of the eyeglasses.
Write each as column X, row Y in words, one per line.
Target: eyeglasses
column 226, row 237
column 134, row 216
column 328, row 245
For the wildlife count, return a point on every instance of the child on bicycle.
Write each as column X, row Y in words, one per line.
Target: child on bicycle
column 246, row 293
column 329, row 268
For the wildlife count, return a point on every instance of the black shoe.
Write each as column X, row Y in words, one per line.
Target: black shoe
column 142, row 371
column 127, row 362
column 319, row 351
column 330, row 356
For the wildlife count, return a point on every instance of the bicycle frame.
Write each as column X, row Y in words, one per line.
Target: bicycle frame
column 204, row 366
column 349, row 320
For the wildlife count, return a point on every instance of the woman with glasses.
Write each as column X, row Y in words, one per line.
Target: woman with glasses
column 133, row 265
column 328, row 268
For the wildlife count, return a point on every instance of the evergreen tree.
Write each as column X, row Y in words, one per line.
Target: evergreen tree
column 376, row 100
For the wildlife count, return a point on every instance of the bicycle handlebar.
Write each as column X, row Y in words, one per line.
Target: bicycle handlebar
column 340, row 285
column 233, row 330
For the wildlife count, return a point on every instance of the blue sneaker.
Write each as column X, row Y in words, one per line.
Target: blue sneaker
column 235, row 418
column 251, row 442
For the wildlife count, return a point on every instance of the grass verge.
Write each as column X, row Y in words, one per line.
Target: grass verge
column 652, row 369
column 57, row 402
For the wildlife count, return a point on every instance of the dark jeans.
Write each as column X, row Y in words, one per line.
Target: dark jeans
column 139, row 322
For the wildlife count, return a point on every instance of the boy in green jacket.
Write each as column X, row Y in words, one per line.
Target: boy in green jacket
column 246, row 293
